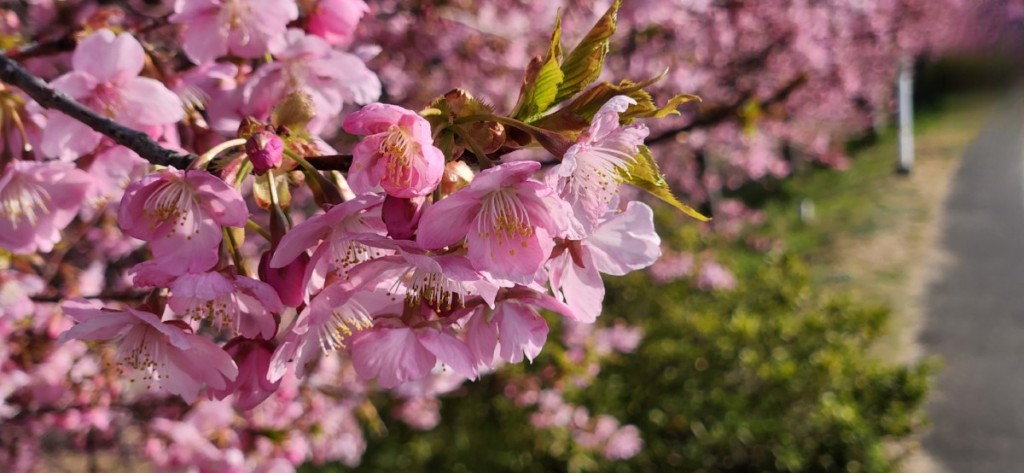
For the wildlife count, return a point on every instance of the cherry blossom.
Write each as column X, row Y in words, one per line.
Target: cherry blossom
column 180, row 214
column 508, row 221
column 592, row 169
column 398, row 154
column 37, row 200
column 622, row 243
column 160, row 354
column 244, row 305
column 306, row 63
column 214, row 28
column 106, row 79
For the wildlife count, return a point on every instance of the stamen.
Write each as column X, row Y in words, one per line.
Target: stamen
column 504, row 218
column 175, row 203
column 343, row 322
column 23, row 198
column 398, row 149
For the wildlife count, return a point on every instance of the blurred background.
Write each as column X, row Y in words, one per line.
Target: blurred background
column 853, row 305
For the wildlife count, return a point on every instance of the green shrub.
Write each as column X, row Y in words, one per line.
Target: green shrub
column 771, row 376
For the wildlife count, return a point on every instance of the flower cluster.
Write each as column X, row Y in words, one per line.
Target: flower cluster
column 319, row 247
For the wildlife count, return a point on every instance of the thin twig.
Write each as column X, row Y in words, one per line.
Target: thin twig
column 334, row 162
column 141, row 143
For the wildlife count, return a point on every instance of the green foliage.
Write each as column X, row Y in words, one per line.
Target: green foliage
column 584, row 63
column 542, row 82
column 551, row 80
column 772, row 376
column 644, row 173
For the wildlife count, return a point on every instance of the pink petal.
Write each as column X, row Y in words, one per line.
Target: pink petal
column 514, row 259
column 482, row 339
column 450, row 350
column 222, row 202
column 204, row 40
column 146, row 102
column 393, row 356
column 626, row 242
column 108, row 58
column 66, row 138
column 373, row 118
column 582, row 288
column 78, row 85
column 447, row 222
column 520, row 331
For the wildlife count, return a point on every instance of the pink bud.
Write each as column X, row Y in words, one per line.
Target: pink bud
column 265, row 151
column 287, row 280
column 401, row 216
column 251, row 386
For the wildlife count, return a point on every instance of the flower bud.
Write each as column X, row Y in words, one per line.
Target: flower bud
column 401, row 216
column 265, row 151
column 288, row 280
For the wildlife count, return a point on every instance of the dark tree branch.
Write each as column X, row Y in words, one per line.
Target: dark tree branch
column 334, row 162
column 716, row 115
column 60, row 45
column 141, row 143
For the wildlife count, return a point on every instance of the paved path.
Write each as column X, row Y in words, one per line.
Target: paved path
column 975, row 310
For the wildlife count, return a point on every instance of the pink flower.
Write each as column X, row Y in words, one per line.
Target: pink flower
column 244, row 28
column 244, row 304
column 327, row 323
column 514, row 329
column 106, row 79
column 398, row 152
column 335, row 20
column 715, row 277
column 37, row 200
column 442, row 282
column 622, row 243
column 507, row 220
column 589, row 175
column 393, row 354
column 332, row 233
column 161, row 354
column 306, row 63
column 180, row 214
column 252, row 385
column 624, row 444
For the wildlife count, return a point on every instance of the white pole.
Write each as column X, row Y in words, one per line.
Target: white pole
column 906, row 115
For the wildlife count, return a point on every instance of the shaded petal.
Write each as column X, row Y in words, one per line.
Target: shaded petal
column 447, row 222
column 521, row 331
column 204, row 39
column 222, row 202
column 450, row 350
column 393, row 356
column 625, row 242
column 109, row 58
column 146, row 102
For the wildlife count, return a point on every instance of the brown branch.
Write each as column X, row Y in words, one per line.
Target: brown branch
column 334, row 162
column 60, row 45
column 721, row 113
column 141, row 143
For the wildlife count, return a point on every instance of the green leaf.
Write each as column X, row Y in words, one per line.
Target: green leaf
column 542, row 81
column 584, row 63
column 647, row 108
column 577, row 114
column 645, row 174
